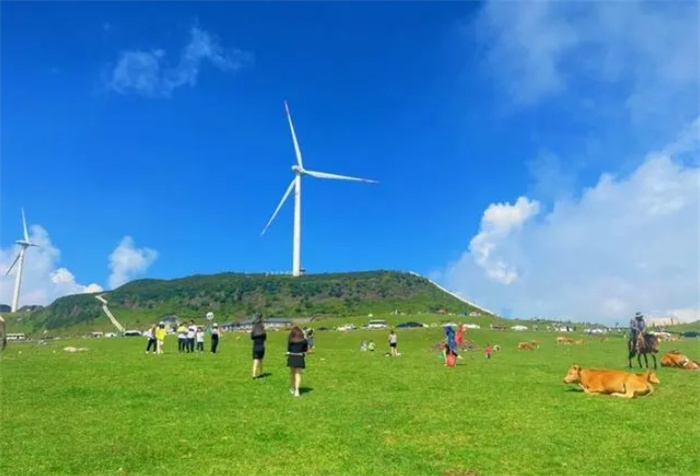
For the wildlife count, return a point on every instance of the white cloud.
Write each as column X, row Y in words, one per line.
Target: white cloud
column 500, row 220
column 537, row 50
column 146, row 72
column 628, row 243
column 127, row 262
column 42, row 279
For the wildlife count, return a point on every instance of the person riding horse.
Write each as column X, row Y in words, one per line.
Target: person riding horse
column 638, row 328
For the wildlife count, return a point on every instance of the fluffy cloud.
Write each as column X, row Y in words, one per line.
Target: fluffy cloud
column 628, row 243
column 127, row 262
column 148, row 73
column 539, row 50
column 628, row 73
column 42, row 279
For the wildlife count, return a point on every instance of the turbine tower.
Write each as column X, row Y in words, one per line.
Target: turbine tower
column 299, row 171
column 19, row 261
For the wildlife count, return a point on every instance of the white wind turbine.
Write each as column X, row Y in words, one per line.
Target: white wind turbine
column 299, row 170
column 19, row 261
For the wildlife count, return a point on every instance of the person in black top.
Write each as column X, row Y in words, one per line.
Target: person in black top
column 214, row 338
column 296, row 350
column 258, row 335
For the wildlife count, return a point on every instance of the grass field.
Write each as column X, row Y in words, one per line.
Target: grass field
column 116, row 411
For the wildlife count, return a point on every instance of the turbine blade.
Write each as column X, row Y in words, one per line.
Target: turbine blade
column 13, row 264
column 284, row 197
column 24, row 223
column 294, row 136
column 325, row 175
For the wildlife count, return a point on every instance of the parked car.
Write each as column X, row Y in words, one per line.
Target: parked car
column 690, row 334
column 409, row 325
column 377, row 324
column 132, row 333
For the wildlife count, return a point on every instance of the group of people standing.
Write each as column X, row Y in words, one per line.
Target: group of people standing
column 187, row 336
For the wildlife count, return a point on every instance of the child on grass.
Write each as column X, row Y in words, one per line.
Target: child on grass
column 488, row 350
column 199, row 335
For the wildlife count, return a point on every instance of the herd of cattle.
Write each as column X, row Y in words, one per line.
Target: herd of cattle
column 617, row 383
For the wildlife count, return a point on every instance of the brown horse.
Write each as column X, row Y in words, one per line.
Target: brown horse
column 646, row 344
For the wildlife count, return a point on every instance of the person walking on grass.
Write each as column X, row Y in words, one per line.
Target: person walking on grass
column 393, row 343
column 296, row 358
column 160, row 338
column 191, row 332
column 488, row 350
column 451, row 353
column 151, row 334
column 181, row 337
column 214, row 338
column 199, row 336
column 258, row 336
column 310, row 339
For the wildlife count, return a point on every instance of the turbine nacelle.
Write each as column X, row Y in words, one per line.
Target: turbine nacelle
column 297, row 170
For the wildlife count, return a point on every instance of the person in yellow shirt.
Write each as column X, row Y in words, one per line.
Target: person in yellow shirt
column 181, row 337
column 160, row 337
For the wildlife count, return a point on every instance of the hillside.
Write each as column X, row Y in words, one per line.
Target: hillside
column 233, row 296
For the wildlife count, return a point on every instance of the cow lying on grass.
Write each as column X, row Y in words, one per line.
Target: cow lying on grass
column 676, row 359
column 612, row 382
column 72, row 349
column 564, row 340
column 528, row 345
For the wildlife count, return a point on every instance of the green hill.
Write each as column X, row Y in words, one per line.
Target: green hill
column 232, row 296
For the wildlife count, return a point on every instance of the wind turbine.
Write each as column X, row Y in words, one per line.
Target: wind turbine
column 299, row 171
column 19, row 261
column 109, row 313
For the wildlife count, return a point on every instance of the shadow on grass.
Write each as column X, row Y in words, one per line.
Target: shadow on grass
column 263, row 375
column 305, row 390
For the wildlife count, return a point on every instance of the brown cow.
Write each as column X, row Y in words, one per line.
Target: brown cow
column 564, row 340
column 579, row 342
column 674, row 359
column 525, row 346
column 692, row 365
column 612, row 382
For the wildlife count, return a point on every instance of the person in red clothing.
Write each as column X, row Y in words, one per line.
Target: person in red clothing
column 488, row 350
column 459, row 338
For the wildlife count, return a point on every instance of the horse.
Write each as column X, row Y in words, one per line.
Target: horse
column 646, row 344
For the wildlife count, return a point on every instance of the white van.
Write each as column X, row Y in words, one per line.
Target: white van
column 376, row 324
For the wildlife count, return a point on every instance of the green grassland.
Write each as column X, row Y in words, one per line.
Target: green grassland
column 116, row 411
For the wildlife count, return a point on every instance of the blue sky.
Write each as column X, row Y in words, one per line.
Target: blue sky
column 164, row 122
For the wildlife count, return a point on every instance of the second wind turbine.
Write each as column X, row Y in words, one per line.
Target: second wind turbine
column 299, row 171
